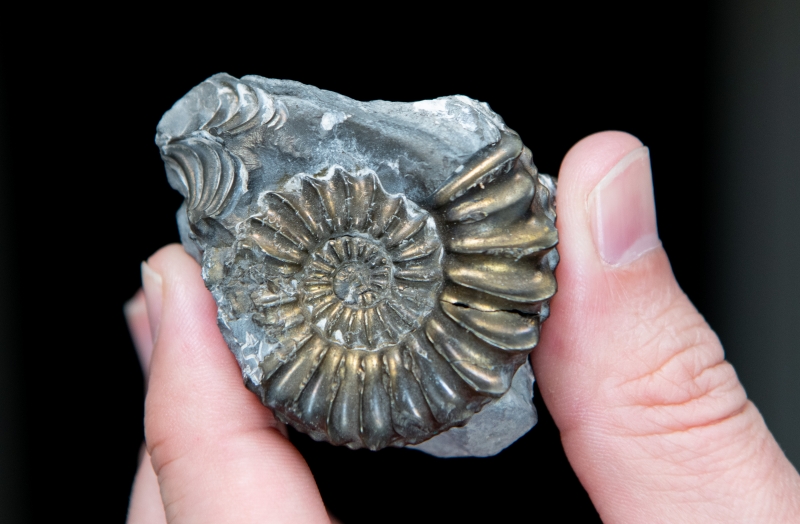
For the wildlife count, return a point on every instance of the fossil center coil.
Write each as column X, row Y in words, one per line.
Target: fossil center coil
column 363, row 282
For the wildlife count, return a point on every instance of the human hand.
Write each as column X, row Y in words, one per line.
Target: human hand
column 654, row 422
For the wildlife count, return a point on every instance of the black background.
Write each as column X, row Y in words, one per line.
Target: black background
column 84, row 200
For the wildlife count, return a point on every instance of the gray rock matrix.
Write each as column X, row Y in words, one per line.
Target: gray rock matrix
column 381, row 269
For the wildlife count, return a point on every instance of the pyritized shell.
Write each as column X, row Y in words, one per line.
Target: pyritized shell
column 373, row 320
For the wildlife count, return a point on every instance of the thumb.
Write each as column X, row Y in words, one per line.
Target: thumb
column 653, row 419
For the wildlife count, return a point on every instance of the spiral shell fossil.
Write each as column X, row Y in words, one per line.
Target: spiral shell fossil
column 376, row 290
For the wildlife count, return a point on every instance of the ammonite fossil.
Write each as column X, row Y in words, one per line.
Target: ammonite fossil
column 381, row 269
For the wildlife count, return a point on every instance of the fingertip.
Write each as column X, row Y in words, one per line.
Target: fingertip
column 136, row 316
column 593, row 156
column 167, row 255
column 135, row 306
column 584, row 166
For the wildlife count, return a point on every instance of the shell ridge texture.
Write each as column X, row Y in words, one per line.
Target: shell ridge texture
column 374, row 296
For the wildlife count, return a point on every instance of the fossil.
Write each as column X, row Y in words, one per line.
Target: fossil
column 381, row 269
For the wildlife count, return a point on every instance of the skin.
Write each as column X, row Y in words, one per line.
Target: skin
column 653, row 420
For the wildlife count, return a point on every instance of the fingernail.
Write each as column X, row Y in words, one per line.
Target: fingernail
column 153, row 293
column 623, row 212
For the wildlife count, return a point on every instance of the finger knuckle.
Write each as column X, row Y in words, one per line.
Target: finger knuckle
column 678, row 379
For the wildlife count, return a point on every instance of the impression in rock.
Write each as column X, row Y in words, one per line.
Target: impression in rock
column 362, row 316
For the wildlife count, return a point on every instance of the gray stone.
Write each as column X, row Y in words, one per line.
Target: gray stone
column 381, row 269
column 492, row 429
